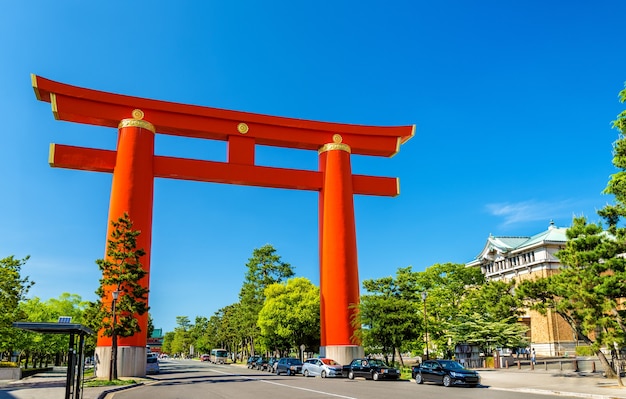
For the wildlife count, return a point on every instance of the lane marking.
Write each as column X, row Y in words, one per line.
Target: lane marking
column 284, row 385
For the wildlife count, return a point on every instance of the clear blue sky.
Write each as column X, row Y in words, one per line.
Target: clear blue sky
column 512, row 103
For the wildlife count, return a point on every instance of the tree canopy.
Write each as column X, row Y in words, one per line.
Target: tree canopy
column 122, row 271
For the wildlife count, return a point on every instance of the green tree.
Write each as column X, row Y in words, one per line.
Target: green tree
column 590, row 288
column 587, row 289
column 42, row 348
column 446, row 287
column 122, row 272
column 290, row 316
column 13, row 290
column 488, row 318
column 265, row 268
column 150, row 325
column 388, row 314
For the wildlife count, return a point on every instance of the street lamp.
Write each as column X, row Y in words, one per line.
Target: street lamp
column 113, row 366
column 425, row 323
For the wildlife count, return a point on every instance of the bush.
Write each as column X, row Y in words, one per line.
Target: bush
column 584, row 351
column 8, row 364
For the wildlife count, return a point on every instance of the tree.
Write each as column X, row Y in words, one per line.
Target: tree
column 488, row 318
column 265, row 268
column 447, row 287
column 590, row 288
column 587, row 289
column 388, row 315
column 122, row 273
column 290, row 316
column 13, row 290
column 43, row 347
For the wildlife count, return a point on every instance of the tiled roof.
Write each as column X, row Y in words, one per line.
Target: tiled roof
column 505, row 244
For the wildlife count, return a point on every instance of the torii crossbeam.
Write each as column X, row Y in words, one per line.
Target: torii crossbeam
column 134, row 166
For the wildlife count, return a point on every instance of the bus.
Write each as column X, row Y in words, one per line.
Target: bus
column 219, row 356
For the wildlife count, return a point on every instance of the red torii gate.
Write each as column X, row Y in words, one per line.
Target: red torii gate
column 134, row 166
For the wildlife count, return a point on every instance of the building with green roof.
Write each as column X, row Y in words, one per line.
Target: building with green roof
column 519, row 258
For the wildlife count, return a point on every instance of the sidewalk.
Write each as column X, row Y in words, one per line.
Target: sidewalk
column 51, row 385
column 553, row 382
column 550, row 382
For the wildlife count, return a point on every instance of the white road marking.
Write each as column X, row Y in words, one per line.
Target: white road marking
column 284, row 385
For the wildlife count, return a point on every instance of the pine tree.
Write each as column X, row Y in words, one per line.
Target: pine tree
column 122, row 272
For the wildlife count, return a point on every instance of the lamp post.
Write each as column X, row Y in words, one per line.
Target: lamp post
column 425, row 323
column 113, row 366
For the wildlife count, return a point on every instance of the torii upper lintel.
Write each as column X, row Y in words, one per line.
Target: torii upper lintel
column 93, row 107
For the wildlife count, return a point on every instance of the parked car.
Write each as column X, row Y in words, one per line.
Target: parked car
column 371, row 368
column 323, row 367
column 260, row 363
column 152, row 364
column 289, row 365
column 271, row 364
column 446, row 372
column 205, row 357
column 252, row 360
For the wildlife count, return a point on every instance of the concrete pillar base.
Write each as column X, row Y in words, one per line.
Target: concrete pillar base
column 131, row 361
column 343, row 354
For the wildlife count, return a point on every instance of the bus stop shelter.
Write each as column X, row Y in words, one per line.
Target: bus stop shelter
column 75, row 358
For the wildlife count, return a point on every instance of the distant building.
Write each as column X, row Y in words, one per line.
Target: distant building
column 506, row 258
column 155, row 341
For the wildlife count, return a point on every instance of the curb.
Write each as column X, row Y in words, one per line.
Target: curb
column 104, row 394
column 557, row 393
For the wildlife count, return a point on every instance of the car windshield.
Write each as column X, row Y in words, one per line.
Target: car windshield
column 451, row 364
column 330, row 362
column 376, row 362
column 295, row 362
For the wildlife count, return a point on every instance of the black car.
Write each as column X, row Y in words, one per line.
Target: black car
column 371, row 368
column 260, row 363
column 446, row 372
column 252, row 361
column 289, row 365
column 271, row 364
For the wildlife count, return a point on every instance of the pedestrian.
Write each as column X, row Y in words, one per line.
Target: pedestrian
column 533, row 357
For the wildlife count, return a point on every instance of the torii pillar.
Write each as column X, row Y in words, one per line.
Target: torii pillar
column 135, row 166
column 339, row 275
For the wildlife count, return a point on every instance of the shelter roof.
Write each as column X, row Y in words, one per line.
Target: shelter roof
column 55, row 328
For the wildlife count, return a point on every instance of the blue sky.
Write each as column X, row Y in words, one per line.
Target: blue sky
column 512, row 103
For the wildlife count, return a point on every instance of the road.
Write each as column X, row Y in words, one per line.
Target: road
column 192, row 379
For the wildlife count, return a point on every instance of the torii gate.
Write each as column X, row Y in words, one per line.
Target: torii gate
column 134, row 166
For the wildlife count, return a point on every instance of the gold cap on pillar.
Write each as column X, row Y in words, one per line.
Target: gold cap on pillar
column 336, row 145
column 137, row 121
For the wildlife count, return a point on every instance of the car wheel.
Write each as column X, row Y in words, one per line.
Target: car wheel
column 419, row 379
column 447, row 381
column 351, row 375
column 323, row 374
column 277, row 372
column 306, row 373
column 375, row 376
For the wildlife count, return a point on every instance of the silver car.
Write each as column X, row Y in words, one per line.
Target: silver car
column 323, row 367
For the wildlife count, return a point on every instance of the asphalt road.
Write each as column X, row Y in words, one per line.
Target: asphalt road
column 191, row 379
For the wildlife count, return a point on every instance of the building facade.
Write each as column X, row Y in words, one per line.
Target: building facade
column 518, row 258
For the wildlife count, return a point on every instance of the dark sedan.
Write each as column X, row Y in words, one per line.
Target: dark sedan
column 446, row 372
column 289, row 366
column 371, row 368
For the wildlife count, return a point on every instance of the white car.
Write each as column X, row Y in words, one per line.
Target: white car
column 323, row 367
column 152, row 364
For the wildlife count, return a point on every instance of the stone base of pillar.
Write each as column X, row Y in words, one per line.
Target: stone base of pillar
column 131, row 361
column 342, row 354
